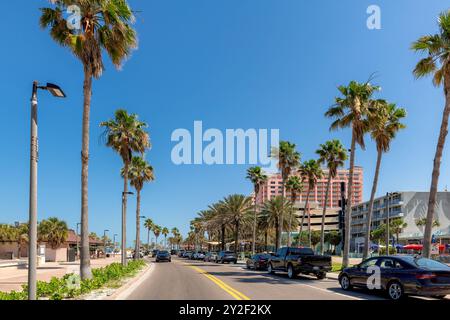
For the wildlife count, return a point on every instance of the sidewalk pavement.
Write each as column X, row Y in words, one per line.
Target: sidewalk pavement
column 12, row 278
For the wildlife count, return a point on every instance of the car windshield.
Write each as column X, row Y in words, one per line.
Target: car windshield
column 301, row 251
column 228, row 253
column 427, row 263
column 163, row 252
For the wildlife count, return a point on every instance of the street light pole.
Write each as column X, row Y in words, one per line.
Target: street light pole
column 114, row 244
column 104, row 241
column 34, row 154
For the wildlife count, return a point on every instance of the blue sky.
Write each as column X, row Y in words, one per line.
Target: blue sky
column 231, row 64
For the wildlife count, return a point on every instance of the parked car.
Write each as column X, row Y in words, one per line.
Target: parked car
column 154, row 253
column 163, row 256
column 199, row 255
column 258, row 261
column 226, row 256
column 174, row 252
column 211, row 257
column 188, row 254
column 297, row 261
column 400, row 276
column 181, row 253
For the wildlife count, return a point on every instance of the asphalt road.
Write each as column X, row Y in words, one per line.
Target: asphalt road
column 195, row 280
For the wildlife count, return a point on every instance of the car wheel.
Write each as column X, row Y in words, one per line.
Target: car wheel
column 248, row 266
column 345, row 283
column 235, row 262
column 395, row 290
column 222, row 261
column 321, row 275
column 291, row 273
column 270, row 269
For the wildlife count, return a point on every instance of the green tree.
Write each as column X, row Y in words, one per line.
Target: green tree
column 437, row 64
column 258, row 178
column 351, row 110
column 105, row 26
column 311, row 172
column 288, row 160
column 53, row 231
column 165, row 232
column 333, row 155
column 295, row 186
column 384, row 122
column 274, row 212
column 125, row 134
column 157, row 232
column 140, row 172
column 148, row 224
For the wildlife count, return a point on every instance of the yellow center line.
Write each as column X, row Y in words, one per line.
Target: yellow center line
column 231, row 291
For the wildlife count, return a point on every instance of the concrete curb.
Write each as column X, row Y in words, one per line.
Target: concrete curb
column 124, row 291
column 333, row 275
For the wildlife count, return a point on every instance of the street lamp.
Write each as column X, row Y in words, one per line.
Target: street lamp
column 124, row 228
column 114, row 244
column 32, row 244
column 104, row 240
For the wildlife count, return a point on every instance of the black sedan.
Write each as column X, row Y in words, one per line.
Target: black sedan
column 258, row 261
column 163, row 256
column 399, row 276
column 226, row 256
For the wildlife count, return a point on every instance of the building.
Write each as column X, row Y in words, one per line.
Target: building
column 331, row 216
column 411, row 206
column 273, row 188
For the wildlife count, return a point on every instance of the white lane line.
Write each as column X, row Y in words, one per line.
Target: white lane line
column 133, row 286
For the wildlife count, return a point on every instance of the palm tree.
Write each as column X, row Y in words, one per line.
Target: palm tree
column 165, row 232
column 295, row 186
column 139, row 173
column 333, row 155
column 258, row 178
column 351, row 110
column 176, row 234
column 148, row 224
column 221, row 219
column 125, row 134
column 273, row 213
column 288, row 160
column 384, row 120
column 437, row 63
column 311, row 172
column 105, row 25
column 53, row 231
column 237, row 207
column 397, row 226
column 157, row 232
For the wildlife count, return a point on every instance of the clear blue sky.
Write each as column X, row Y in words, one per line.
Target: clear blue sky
column 229, row 63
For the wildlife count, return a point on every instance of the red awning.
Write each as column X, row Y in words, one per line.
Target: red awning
column 420, row 247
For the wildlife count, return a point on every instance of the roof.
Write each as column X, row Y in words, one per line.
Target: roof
column 73, row 238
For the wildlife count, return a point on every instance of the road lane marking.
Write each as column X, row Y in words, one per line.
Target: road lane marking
column 231, row 291
column 129, row 288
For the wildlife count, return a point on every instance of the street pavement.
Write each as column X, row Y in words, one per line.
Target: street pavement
column 196, row 280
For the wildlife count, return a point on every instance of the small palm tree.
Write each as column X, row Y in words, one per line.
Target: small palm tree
column 333, row 155
column 148, row 224
column 351, row 110
column 295, row 186
column 53, row 231
column 437, row 64
column 237, row 207
column 288, row 160
column 165, row 232
column 176, row 234
column 139, row 173
column 125, row 134
column 105, row 26
column 311, row 172
column 385, row 122
column 157, row 232
column 274, row 212
column 258, row 178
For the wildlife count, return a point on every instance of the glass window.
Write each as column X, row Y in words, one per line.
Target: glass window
column 369, row 263
column 390, row 264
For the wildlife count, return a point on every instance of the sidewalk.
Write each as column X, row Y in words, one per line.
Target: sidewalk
column 13, row 277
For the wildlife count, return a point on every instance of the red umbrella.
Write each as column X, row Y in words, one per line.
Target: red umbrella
column 420, row 247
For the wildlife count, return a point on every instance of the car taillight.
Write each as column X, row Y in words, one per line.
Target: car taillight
column 425, row 276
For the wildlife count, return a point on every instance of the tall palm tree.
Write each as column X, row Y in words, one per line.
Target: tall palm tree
column 384, row 122
column 139, row 173
column 295, row 186
column 157, row 232
column 351, row 110
column 165, row 232
column 311, row 172
column 288, row 160
column 437, row 63
column 125, row 134
column 273, row 213
column 148, row 224
column 221, row 219
column 333, row 155
column 258, row 178
column 105, row 26
column 237, row 208
column 176, row 233
column 53, row 231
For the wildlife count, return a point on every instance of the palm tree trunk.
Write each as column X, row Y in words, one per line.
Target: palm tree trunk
column 303, row 216
column 254, row 222
column 324, row 213
column 236, row 237
column 280, row 224
column 137, row 249
column 370, row 212
column 348, row 214
column 148, row 239
column 85, row 259
column 265, row 240
column 309, row 228
column 223, row 238
column 436, row 172
column 124, row 214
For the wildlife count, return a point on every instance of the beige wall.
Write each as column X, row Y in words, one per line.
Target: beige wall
column 6, row 247
column 55, row 255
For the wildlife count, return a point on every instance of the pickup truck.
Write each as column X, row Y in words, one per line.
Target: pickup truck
column 296, row 261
